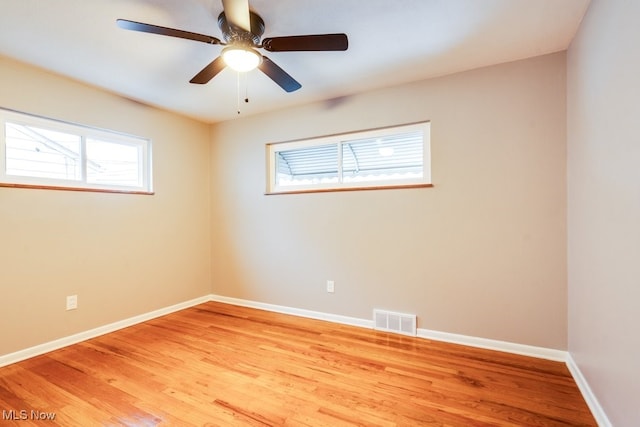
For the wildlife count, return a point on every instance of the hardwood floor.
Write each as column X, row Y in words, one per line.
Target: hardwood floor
column 217, row 364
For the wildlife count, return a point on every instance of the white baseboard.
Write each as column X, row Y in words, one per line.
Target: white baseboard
column 37, row 350
column 526, row 350
column 587, row 393
column 539, row 352
column 508, row 347
column 335, row 318
column 489, row 344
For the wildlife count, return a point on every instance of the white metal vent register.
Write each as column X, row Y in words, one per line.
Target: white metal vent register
column 395, row 322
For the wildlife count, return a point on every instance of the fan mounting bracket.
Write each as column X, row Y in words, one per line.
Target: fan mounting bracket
column 235, row 35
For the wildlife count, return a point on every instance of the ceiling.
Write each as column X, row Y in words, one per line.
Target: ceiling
column 390, row 42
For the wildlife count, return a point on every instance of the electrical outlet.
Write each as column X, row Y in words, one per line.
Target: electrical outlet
column 331, row 286
column 72, row 302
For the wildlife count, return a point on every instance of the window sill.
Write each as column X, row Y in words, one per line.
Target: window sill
column 83, row 189
column 331, row 190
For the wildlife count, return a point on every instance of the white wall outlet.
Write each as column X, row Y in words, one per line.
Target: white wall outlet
column 72, row 302
column 331, row 286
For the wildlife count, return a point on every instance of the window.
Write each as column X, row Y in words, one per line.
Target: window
column 45, row 153
column 382, row 158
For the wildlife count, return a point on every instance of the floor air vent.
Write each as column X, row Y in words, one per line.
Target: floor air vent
column 395, row 322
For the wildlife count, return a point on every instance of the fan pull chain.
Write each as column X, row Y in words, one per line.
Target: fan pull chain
column 246, row 88
column 238, row 93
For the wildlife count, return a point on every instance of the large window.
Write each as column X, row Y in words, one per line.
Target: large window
column 39, row 152
column 382, row 158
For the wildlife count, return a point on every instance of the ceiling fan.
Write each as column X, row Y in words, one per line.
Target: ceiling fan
column 241, row 31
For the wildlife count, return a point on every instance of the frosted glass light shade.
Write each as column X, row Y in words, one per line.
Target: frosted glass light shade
column 241, row 59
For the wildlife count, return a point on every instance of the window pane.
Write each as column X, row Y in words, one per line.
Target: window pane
column 114, row 163
column 392, row 157
column 307, row 166
column 43, row 153
column 40, row 152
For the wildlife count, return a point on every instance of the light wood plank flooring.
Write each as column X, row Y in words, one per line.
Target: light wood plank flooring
column 221, row 365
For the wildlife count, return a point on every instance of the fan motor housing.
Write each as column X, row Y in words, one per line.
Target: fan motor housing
column 232, row 34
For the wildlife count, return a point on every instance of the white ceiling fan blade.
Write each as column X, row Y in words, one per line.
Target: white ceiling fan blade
column 237, row 13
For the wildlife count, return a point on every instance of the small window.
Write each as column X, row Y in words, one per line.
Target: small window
column 383, row 158
column 44, row 153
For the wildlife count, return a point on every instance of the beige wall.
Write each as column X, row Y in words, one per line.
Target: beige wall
column 123, row 255
column 604, row 205
column 483, row 253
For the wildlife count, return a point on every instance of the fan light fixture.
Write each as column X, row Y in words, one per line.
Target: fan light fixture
column 241, row 59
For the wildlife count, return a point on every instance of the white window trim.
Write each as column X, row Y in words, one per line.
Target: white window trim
column 273, row 148
column 84, row 132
